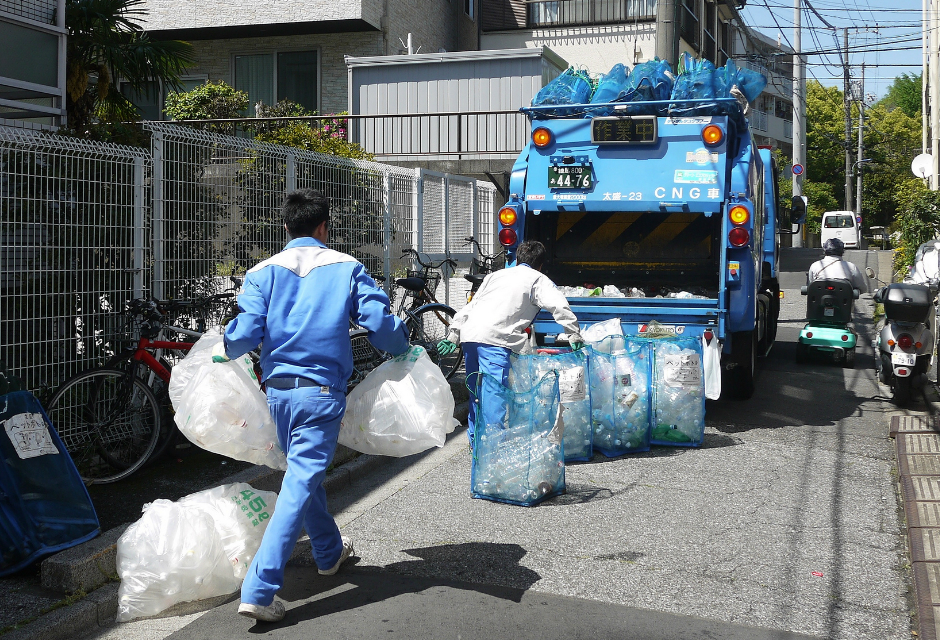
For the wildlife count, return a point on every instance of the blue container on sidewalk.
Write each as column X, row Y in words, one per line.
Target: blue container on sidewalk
column 620, row 395
column 518, row 451
column 44, row 505
column 678, row 392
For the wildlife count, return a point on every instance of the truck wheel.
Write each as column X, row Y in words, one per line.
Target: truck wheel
column 741, row 378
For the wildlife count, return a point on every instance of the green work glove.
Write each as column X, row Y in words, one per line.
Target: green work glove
column 218, row 353
column 577, row 346
column 446, row 347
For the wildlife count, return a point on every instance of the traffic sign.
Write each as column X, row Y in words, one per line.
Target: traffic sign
column 797, row 169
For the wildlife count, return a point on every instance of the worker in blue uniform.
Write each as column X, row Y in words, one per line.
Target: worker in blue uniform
column 297, row 305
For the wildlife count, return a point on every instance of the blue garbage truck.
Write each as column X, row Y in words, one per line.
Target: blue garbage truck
column 676, row 207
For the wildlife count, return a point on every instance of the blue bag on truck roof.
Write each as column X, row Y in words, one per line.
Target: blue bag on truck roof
column 44, row 505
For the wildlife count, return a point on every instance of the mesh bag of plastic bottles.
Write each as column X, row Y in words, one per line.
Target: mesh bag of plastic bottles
column 221, row 408
column 573, row 373
column 610, row 87
column 648, row 82
column 518, row 451
column 571, row 87
column 620, row 395
column 678, row 392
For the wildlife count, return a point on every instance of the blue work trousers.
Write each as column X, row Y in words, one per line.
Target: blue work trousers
column 485, row 358
column 307, row 420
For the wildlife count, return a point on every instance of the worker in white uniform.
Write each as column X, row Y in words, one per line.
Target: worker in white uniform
column 493, row 324
column 833, row 267
column 298, row 305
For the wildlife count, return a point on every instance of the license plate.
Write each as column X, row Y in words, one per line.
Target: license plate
column 903, row 359
column 829, row 312
column 570, row 176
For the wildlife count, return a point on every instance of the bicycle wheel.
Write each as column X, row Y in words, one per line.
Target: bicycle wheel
column 427, row 326
column 168, row 428
column 108, row 421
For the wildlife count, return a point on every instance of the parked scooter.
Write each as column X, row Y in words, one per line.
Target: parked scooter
column 906, row 343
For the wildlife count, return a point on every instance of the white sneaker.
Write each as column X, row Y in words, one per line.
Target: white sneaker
column 347, row 551
column 274, row 612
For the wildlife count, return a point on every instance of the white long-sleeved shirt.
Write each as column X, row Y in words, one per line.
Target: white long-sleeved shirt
column 835, row 268
column 506, row 303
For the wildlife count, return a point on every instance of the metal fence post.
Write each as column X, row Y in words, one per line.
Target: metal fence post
column 446, row 238
column 419, row 196
column 387, row 235
column 157, row 221
column 138, row 246
column 290, row 180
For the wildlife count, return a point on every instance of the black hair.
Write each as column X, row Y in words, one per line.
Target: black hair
column 304, row 210
column 531, row 252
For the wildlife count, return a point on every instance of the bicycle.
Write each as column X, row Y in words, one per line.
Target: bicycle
column 427, row 319
column 109, row 417
column 480, row 267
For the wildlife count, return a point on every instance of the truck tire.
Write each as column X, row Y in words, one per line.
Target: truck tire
column 740, row 379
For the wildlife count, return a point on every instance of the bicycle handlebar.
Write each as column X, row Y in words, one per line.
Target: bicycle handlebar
column 429, row 265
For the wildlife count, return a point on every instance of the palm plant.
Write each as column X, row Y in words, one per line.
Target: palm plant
column 105, row 43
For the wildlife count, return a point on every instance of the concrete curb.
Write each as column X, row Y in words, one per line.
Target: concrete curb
column 88, row 562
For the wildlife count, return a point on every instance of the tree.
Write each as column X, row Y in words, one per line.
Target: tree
column 904, row 94
column 918, row 218
column 105, row 44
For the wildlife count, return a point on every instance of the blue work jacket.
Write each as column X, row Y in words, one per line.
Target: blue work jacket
column 298, row 304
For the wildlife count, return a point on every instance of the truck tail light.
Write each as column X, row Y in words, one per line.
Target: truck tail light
column 738, row 237
column 905, row 341
column 712, row 135
column 541, row 137
column 739, row 215
column 507, row 237
column 507, row 216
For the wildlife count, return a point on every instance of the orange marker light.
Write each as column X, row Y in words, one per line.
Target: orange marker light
column 739, row 215
column 507, row 216
column 712, row 135
column 542, row 137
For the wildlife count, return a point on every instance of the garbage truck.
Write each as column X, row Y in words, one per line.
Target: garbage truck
column 667, row 213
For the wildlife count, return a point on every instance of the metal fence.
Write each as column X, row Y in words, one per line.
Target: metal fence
column 85, row 227
column 73, row 248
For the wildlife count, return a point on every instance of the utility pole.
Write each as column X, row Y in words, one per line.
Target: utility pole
column 799, row 112
column 924, row 91
column 858, row 164
column 934, row 93
column 667, row 42
column 848, row 123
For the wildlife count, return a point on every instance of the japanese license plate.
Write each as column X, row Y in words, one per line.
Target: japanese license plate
column 829, row 312
column 573, row 176
column 903, row 359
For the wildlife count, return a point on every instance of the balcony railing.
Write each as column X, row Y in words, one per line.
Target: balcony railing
column 758, row 119
column 788, row 129
column 589, row 12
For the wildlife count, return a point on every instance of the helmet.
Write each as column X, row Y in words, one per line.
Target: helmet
column 834, row 247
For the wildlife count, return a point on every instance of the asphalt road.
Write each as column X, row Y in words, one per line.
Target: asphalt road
column 785, row 524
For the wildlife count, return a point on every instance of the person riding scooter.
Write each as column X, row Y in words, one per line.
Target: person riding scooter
column 833, row 267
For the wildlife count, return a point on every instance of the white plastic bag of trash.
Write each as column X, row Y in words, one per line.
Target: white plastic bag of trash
column 221, row 408
column 196, row 548
column 405, row 406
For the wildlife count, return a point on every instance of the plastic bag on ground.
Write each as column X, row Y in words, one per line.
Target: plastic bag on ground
column 620, row 395
column 518, row 454
column 573, row 375
column 405, row 406
column 241, row 514
column 196, row 548
column 679, row 392
column 221, row 408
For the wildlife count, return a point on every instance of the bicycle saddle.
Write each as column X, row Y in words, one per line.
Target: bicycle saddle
column 412, row 284
column 475, row 278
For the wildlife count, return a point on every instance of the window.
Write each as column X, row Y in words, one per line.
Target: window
column 285, row 75
column 840, row 222
column 468, row 7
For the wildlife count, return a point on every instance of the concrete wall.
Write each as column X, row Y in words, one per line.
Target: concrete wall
column 596, row 48
column 194, row 14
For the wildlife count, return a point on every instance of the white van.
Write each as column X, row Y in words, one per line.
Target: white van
column 842, row 225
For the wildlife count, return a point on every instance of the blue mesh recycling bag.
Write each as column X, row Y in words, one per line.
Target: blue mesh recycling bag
column 44, row 505
column 620, row 395
column 518, row 453
column 573, row 373
column 678, row 392
column 649, row 81
column 610, row 87
column 571, row 87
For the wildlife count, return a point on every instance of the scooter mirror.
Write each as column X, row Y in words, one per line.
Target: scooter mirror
column 870, row 272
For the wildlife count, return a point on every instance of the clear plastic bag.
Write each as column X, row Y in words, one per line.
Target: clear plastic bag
column 679, row 392
column 573, row 370
column 711, row 363
column 196, row 548
column 221, row 408
column 518, row 451
column 405, row 406
column 597, row 332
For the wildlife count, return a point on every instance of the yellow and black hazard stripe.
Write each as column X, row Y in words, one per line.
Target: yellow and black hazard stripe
column 650, row 233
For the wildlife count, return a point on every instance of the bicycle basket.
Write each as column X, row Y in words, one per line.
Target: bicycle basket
column 433, row 279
